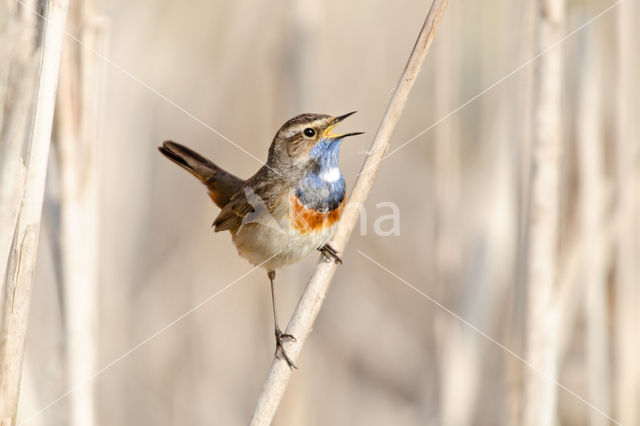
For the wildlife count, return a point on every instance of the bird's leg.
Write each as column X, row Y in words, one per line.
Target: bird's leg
column 330, row 253
column 280, row 336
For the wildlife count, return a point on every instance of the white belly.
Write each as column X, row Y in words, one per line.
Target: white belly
column 274, row 247
column 272, row 243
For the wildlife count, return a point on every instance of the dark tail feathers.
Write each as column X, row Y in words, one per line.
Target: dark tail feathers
column 221, row 184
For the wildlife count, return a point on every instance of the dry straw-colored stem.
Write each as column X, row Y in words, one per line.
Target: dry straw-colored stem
column 546, row 151
column 19, row 64
column 590, row 154
column 626, row 350
column 309, row 305
column 76, row 144
column 22, row 259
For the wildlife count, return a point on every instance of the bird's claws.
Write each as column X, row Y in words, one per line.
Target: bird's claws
column 330, row 253
column 280, row 336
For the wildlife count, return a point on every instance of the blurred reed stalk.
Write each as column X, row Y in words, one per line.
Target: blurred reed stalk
column 19, row 62
column 521, row 116
column 546, row 151
column 590, row 152
column 76, row 144
column 310, row 303
column 627, row 208
column 300, row 68
column 22, row 257
column 457, row 360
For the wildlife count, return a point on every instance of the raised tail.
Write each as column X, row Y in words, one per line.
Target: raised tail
column 221, row 184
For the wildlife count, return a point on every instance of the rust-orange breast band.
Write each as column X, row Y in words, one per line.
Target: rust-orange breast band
column 306, row 220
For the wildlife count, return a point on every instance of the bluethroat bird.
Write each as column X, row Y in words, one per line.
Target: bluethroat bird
column 289, row 208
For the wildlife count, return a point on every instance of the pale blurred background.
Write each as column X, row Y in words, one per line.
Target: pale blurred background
column 380, row 353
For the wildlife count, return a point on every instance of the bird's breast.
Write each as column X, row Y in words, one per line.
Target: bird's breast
column 306, row 220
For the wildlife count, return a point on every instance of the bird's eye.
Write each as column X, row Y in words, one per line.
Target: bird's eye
column 309, row 132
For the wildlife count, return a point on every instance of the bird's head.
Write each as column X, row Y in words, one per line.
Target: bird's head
column 307, row 139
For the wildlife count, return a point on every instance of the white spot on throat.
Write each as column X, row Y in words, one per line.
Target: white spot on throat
column 330, row 175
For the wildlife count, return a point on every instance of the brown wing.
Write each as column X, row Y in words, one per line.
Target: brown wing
column 231, row 216
column 257, row 197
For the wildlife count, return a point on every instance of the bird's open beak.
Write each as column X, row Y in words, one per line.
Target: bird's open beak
column 328, row 132
column 342, row 117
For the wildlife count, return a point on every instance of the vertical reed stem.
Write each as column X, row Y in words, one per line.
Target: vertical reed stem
column 22, row 258
column 546, row 151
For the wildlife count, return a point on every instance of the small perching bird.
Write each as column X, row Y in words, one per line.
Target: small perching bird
column 289, row 208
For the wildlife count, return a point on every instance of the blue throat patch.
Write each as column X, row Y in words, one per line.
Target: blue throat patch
column 314, row 190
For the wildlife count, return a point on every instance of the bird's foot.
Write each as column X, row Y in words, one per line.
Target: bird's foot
column 330, row 253
column 280, row 336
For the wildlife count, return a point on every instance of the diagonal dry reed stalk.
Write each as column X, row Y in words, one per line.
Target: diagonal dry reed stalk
column 309, row 305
